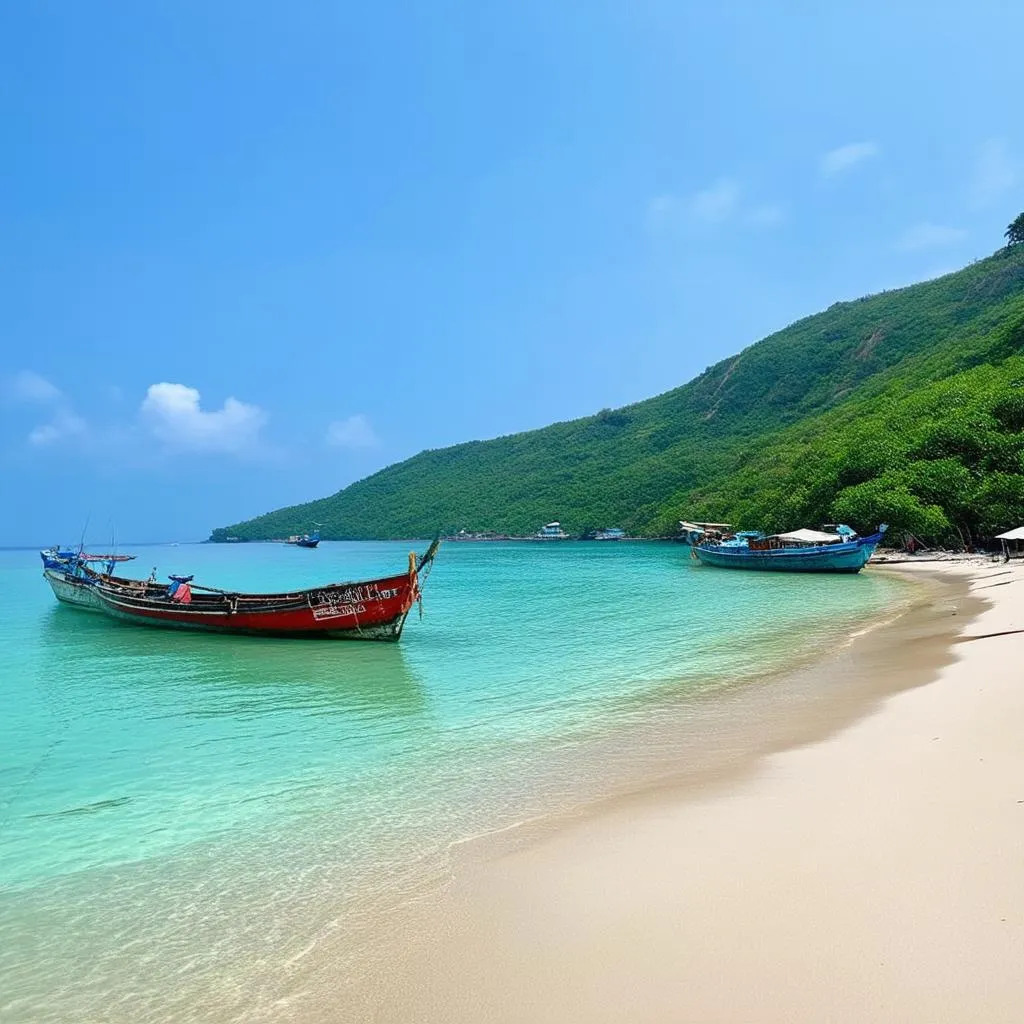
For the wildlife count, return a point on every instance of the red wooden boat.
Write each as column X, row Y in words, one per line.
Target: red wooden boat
column 365, row 610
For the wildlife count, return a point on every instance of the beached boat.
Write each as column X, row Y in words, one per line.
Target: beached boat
column 364, row 610
column 839, row 550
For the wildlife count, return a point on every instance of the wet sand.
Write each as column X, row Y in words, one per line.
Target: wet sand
column 856, row 855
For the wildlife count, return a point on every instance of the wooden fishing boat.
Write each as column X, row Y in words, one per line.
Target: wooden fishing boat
column 841, row 551
column 364, row 610
column 307, row 540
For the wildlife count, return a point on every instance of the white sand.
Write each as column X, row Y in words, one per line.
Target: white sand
column 877, row 875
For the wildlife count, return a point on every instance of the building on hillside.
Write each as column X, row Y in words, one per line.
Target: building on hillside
column 551, row 531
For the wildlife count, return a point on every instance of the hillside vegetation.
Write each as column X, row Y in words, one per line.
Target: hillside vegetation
column 907, row 407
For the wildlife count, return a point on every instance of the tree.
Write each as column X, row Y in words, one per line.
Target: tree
column 1000, row 501
column 1015, row 232
column 884, row 500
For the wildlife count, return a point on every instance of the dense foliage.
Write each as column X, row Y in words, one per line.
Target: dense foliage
column 1015, row 231
column 944, row 461
column 906, row 406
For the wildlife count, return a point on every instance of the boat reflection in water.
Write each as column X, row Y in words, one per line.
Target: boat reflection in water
column 208, row 676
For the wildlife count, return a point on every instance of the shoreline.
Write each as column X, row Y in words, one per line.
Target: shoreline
column 645, row 907
column 302, row 900
column 708, row 738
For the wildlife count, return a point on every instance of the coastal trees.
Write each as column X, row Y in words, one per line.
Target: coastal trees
column 999, row 503
column 886, row 500
column 1015, row 231
column 943, row 460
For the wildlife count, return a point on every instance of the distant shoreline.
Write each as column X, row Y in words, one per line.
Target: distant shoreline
column 96, row 545
column 445, row 539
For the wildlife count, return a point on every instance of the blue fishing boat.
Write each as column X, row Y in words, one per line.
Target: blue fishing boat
column 840, row 549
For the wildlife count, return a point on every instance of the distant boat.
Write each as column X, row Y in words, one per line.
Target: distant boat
column 610, row 533
column 307, row 540
column 841, row 551
column 551, row 531
column 365, row 610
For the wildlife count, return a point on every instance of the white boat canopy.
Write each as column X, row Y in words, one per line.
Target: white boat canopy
column 1017, row 534
column 810, row 537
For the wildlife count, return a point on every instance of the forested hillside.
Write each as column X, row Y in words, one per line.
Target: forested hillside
column 907, row 406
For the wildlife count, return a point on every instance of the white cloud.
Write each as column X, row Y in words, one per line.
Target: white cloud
column 662, row 210
column 995, row 172
column 766, row 216
column 715, row 204
column 28, row 386
column 173, row 414
column 354, row 432
column 835, row 161
column 929, row 236
column 65, row 424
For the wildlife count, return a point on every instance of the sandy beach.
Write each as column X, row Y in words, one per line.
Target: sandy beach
column 870, row 868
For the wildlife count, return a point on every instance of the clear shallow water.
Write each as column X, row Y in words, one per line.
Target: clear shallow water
column 187, row 822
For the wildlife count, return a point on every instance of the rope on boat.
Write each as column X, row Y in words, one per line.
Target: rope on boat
column 422, row 570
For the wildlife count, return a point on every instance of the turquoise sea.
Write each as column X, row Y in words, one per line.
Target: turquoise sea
column 200, row 828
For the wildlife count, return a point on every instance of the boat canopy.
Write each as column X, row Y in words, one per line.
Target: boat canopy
column 1016, row 534
column 810, row 537
column 684, row 525
column 69, row 555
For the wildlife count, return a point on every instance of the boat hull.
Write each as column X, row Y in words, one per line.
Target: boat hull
column 358, row 611
column 833, row 558
column 73, row 591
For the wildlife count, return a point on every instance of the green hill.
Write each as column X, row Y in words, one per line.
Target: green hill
column 905, row 406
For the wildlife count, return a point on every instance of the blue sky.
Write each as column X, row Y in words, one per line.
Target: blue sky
column 252, row 252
